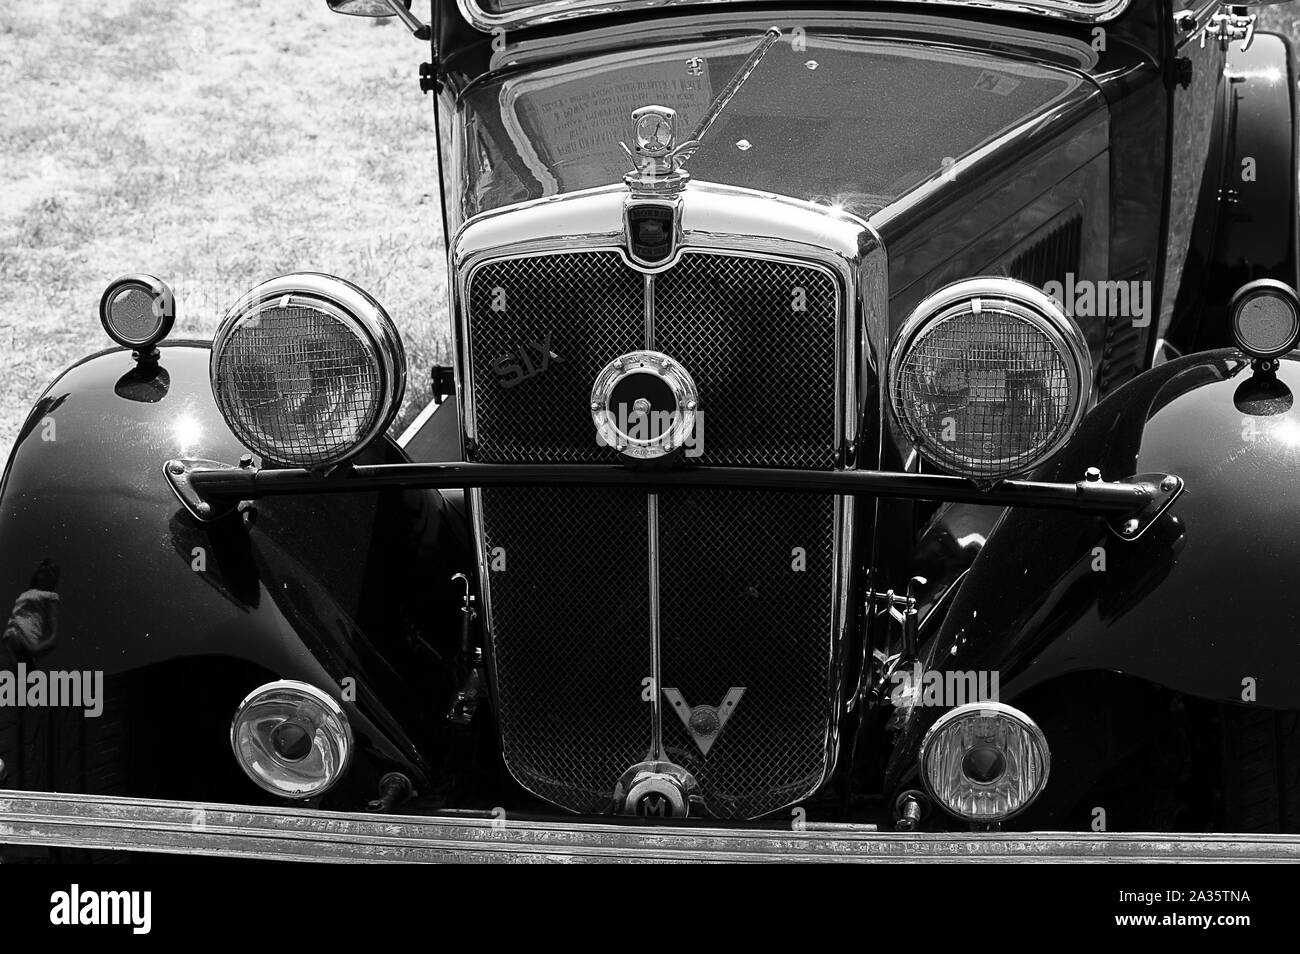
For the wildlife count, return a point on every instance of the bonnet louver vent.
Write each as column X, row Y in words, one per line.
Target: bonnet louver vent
column 1051, row 257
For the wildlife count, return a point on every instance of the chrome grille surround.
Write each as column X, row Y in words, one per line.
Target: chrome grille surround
column 715, row 221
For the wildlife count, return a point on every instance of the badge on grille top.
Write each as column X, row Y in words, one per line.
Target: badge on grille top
column 651, row 228
column 644, row 405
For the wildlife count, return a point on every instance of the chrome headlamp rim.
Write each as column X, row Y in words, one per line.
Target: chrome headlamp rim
column 1011, row 713
column 345, row 302
column 1250, row 292
column 1026, row 303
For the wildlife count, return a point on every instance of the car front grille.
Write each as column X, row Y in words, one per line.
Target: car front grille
column 735, row 613
column 587, row 309
column 570, row 643
column 746, row 579
column 765, row 371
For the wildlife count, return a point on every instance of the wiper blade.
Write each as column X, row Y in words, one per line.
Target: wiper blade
column 658, row 158
column 723, row 99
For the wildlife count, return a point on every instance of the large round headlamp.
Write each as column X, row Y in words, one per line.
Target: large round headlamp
column 307, row 369
column 989, row 378
column 984, row 761
column 291, row 739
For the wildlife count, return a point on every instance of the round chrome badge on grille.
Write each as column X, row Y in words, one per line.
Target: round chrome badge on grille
column 655, row 790
column 644, row 405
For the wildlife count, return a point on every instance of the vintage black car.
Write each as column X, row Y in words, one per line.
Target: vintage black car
column 871, row 434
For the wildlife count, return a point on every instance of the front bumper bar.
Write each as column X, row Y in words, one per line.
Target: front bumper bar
column 211, row 489
column 290, row 834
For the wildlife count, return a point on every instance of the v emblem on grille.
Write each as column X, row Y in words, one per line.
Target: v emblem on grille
column 705, row 723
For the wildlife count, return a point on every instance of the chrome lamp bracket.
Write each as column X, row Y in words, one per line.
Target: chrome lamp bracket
column 1158, row 492
column 179, row 472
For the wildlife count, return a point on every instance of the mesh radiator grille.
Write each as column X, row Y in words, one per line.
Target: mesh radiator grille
column 758, row 337
column 569, row 616
column 585, row 309
column 736, row 613
column 570, row 640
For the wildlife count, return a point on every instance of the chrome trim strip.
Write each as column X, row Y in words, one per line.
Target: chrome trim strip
column 414, row 427
column 294, row 834
column 559, row 11
column 474, row 506
column 657, row 750
column 680, row 34
column 649, row 293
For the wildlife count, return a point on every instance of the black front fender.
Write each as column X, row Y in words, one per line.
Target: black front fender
column 1099, row 635
column 183, row 618
column 1206, row 600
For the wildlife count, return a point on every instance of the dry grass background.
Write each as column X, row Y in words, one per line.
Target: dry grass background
column 215, row 144
column 1279, row 19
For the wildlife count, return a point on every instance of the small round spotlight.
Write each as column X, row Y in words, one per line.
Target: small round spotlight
column 291, row 739
column 137, row 311
column 984, row 761
column 1265, row 317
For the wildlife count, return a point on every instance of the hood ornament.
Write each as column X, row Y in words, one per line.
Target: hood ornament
column 658, row 159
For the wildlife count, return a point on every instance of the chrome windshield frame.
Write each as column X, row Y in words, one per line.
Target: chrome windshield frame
column 549, row 12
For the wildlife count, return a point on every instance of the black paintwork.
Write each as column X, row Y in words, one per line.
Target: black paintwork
column 1212, row 574
column 1199, row 606
column 1245, row 228
column 305, row 588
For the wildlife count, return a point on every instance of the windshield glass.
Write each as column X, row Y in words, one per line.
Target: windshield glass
column 836, row 123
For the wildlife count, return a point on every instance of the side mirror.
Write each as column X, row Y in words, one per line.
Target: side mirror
column 365, row 8
column 383, row 8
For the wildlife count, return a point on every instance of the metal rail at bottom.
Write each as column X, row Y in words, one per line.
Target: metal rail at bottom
column 290, row 834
